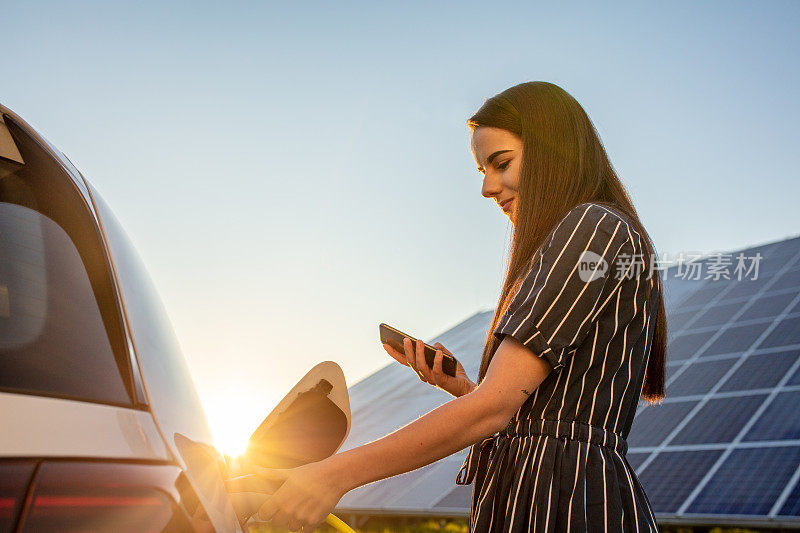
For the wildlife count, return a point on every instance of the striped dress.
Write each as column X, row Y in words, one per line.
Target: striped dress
column 588, row 306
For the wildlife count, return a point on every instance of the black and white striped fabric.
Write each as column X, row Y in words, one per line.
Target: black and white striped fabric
column 587, row 306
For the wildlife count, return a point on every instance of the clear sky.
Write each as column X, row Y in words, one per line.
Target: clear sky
column 293, row 174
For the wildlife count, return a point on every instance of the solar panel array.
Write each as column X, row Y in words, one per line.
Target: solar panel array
column 723, row 447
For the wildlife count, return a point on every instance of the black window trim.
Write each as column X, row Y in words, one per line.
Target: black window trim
column 131, row 371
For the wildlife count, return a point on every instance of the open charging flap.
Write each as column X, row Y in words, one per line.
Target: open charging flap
column 309, row 424
column 10, row 158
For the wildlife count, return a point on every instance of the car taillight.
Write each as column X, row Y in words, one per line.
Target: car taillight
column 75, row 496
column 14, row 479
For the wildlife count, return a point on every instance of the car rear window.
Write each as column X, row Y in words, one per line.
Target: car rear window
column 60, row 329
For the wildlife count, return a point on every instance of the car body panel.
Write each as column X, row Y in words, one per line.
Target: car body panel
column 168, row 386
column 158, row 364
column 35, row 426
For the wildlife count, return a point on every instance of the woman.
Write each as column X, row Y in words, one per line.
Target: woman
column 577, row 337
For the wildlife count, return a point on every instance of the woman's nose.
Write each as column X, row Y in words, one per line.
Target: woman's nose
column 491, row 187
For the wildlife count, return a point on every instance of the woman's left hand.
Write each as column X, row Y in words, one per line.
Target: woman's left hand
column 305, row 499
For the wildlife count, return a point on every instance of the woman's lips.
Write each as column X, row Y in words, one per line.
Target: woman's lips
column 506, row 206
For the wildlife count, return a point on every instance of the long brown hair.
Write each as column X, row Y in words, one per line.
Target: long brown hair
column 564, row 164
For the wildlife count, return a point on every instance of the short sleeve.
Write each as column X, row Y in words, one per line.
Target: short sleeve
column 569, row 283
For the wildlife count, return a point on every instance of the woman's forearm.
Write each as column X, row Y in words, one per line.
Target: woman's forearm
column 439, row 433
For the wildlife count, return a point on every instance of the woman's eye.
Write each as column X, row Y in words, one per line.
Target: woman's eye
column 503, row 165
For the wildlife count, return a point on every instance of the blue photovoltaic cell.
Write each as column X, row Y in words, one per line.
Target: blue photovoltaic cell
column 780, row 420
column 717, row 315
column 671, row 476
column 771, row 264
column 699, row 377
column 736, row 339
column 766, row 250
column 792, row 505
column 676, row 321
column 702, row 295
column 785, row 333
column 785, row 250
column 430, row 487
column 719, row 420
column 459, row 497
column 781, row 249
column 760, row 371
column 746, row 287
column 748, row 482
column 684, row 346
column 384, row 490
column 652, row 424
column 635, row 459
column 671, row 369
column 780, row 257
column 770, row 269
column 768, row 306
column 789, row 280
column 795, row 379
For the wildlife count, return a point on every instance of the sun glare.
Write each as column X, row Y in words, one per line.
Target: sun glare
column 231, row 423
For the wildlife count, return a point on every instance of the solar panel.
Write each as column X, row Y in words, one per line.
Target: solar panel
column 635, row 459
column 760, row 371
column 385, row 490
column 719, row 420
column 717, row 315
column 779, row 249
column 746, row 287
column 699, row 377
column 430, row 488
column 780, row 420
column 652, row 424
column 768, row 306
column 792, row 505
column 705, row 293
column 671, row 476
column 736, row 339
column 786, row 333
column 795, row 379
column 789, row 280
column 676, row 321
column 773, row 263
column 748, row 482
column 685, row 346
column 458, row 497
column 775, row 253
column 671, row 369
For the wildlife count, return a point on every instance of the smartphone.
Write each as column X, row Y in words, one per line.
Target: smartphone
column 394, row 338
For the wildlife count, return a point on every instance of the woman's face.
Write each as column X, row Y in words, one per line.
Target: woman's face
column 498, row 153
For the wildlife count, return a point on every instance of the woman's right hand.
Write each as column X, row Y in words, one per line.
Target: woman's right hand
column 414, row 357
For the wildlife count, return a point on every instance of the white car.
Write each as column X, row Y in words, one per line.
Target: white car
column 101, row 427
